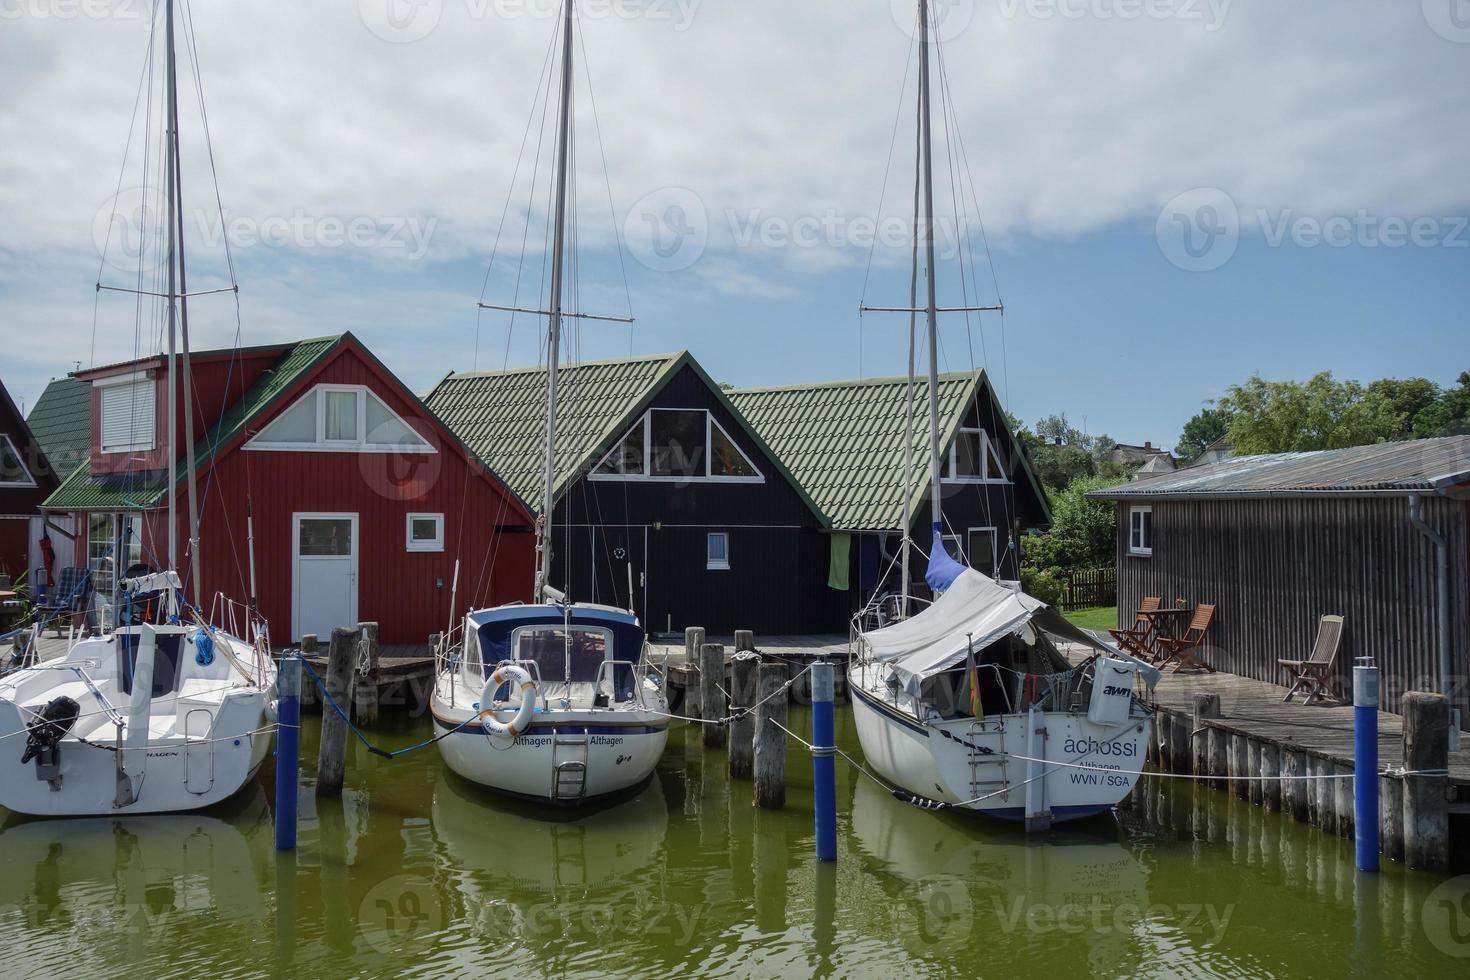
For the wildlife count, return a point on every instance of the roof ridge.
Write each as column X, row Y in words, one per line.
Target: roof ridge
column 664, row 358
column 856, row 382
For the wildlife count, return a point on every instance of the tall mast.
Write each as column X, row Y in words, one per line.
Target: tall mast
column 931, row 306
column 910, row 395
column 176, row 192
column 170, row 216
column 553, row 338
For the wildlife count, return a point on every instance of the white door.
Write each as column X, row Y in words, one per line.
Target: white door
column 324, row 573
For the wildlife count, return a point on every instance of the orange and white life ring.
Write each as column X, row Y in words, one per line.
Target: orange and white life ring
column 518, row 679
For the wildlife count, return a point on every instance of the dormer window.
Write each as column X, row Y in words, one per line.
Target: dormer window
column 340, row 418
column 677, row 444
column 973, row 459
column 128, row 413
column 13, row 472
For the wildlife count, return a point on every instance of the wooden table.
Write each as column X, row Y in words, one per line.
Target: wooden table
column 1166, row 623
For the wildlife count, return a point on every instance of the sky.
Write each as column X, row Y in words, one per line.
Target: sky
column 1175, row 194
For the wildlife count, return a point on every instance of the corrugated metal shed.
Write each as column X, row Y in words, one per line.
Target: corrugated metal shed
column 1420, row 466
column 844, row 440
column 61, row 421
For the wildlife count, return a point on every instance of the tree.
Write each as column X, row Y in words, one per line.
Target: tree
column 1083, row 531
column 1199, row 432
column 1291, row 416
column 1409, row 397
column 1449, row 415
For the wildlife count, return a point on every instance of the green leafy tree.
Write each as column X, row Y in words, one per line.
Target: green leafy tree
column 1409, row 397
column 1322, row 413
column 1449, row 415
column 1199, row 432
column 1083, row 531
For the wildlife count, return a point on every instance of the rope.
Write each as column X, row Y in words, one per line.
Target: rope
column 384, row 753
column 736, row 716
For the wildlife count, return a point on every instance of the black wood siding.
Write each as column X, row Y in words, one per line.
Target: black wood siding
column 1275, row 566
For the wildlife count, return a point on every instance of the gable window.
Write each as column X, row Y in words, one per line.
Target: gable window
column 973, row 458
column 680, row 444
column 1141, row 531
column 127, row 414
column 340, row 418
column 717, row 551
column 425, row 532
column 13, row 472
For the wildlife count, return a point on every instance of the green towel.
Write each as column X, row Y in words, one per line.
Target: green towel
column 841, row 549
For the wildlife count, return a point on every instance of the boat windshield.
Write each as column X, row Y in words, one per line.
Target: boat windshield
column 549, row 648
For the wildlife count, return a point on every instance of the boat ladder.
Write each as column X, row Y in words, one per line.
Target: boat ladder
column 569, row 765
column 989, row 771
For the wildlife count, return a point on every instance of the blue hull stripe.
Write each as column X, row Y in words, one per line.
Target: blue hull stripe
column 552, row 728
column 883, row 709
column 1058, row 812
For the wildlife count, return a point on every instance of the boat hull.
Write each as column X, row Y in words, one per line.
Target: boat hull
column 984, row 766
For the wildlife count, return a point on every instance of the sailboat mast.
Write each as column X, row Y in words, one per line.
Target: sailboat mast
column 553, row 338
column 931, row 306
column 910, row 395
column 170, row 217
column 177, row 191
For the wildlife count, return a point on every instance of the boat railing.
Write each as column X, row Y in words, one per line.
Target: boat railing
column 609, row 667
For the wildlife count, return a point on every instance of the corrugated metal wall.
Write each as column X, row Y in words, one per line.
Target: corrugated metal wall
column 1275, row 566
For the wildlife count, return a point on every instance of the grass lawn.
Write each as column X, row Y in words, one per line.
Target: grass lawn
column 1094, row 618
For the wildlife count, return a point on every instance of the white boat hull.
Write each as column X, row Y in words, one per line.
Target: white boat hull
column 984, row 765
column 204, row 743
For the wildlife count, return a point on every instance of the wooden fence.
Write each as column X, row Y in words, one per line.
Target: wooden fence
column 1087, row 587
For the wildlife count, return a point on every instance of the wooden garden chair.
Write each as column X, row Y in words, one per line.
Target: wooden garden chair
column 1184, row 651
column 1311, row 676
column 1139, row 640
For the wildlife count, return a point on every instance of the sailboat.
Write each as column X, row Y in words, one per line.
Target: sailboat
column 969, row 702
column 553, row 701
column 164, row 711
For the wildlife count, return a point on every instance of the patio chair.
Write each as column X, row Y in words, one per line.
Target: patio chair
column 1184, row 651
column 69, row 597
column 1139, row 639
column 1311, row 676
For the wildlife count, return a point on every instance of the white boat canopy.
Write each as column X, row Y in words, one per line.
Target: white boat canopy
column 975, row 610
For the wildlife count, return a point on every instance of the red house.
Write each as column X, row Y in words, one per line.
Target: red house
column 355, row 500
column 26, row 479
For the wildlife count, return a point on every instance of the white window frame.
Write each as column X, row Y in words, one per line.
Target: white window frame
column 646, row 422
column 994, row 570
column 30, row 480
column 1137, row 546
column 324, row 445
column 710, row 562
column 987, row 452
column 424, row 546
column 137, row 445
column 956, row 548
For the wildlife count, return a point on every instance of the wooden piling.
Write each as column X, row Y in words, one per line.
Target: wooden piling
column 1391, row 817
column 770, row 741
column 1324, row 804
column 744, row 641
column 1255, row 790
column 332, row 759
column 693, row 641
column 309, row 648
column 1293, row 788
column 712, row 700
column 1343, row 799
column 1219, row 742
column 1240, row 767
column 1271, row 766
column 744, row 676
column 1206, row 706
column 366, row 685
column 1426, row 781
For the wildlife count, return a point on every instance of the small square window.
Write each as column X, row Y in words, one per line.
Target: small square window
column 717, row 551
column 1141, row 531
column 425, row 532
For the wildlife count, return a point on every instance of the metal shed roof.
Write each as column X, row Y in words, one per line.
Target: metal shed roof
column 1438, row 466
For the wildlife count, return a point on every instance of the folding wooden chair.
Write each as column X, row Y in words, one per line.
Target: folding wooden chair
column 1185, row 649
column 1139, row 640
column 1311, row 676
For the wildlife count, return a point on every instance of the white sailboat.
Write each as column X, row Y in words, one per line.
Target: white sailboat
column 166, row 711
column 968, row 703
column 553, row 701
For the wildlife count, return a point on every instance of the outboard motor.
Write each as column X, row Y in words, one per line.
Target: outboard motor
column 51, row 727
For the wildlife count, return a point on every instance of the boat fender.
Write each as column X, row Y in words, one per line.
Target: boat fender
column 518, row 678
column 203, row 649
column 50, row 726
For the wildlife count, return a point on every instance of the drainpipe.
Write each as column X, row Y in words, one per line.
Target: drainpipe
column 1442, row 602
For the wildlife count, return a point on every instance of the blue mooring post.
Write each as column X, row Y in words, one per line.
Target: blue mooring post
column 1365, row 765
column 288, row 750
column 824, row 762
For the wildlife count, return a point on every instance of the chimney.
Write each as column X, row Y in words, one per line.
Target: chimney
column 1148, row 447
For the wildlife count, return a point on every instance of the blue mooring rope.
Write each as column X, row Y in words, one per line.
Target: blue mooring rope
column 321, row 686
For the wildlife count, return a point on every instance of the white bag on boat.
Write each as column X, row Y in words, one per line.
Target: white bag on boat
column 1112, row 692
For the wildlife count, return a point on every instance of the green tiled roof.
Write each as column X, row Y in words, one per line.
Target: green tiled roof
column 501, row 415
column 844, row 440
column 61, row 421
column 142, row 491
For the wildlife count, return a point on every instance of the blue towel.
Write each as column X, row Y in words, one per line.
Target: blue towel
column 943, row 570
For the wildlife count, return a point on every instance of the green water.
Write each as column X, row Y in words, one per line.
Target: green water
column 416, row 873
